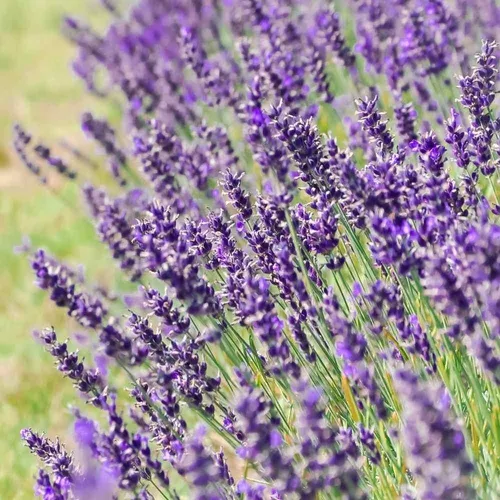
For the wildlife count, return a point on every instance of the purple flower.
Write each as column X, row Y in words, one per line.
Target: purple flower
column 173, row 320
column 102, row 133
column 166, row 251
column 54, row 456
column 239, row 198
column 262, row 444
column 48, row 490
column 352, row 347
column 322, row 447
column 433, row 441
column 477, row 95
column 87, row 381
column 458, row 140
column 372, row 122
column 207, row 471
column 21, row 141
column 406, row 117
column 302, row 141
column 367, row 438
column 330, row 32
column 114, row 227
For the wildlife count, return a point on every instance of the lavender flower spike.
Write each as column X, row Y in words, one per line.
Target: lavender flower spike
column 373, row 124
column 433, row 440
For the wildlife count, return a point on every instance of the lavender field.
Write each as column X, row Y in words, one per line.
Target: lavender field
column 260, row 239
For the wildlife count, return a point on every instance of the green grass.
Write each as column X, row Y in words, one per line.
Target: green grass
column 38, row 90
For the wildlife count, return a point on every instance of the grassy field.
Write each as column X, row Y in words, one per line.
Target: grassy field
column 37, row 89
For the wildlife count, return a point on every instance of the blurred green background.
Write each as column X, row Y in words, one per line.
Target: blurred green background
column 38, row 89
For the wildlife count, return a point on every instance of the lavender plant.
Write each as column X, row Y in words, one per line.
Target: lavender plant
column 306, row 200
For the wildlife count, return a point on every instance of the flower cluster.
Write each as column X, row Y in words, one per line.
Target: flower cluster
column 313, row 238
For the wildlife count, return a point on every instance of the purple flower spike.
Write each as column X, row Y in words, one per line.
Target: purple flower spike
column 433, row 440
column 372, row 122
